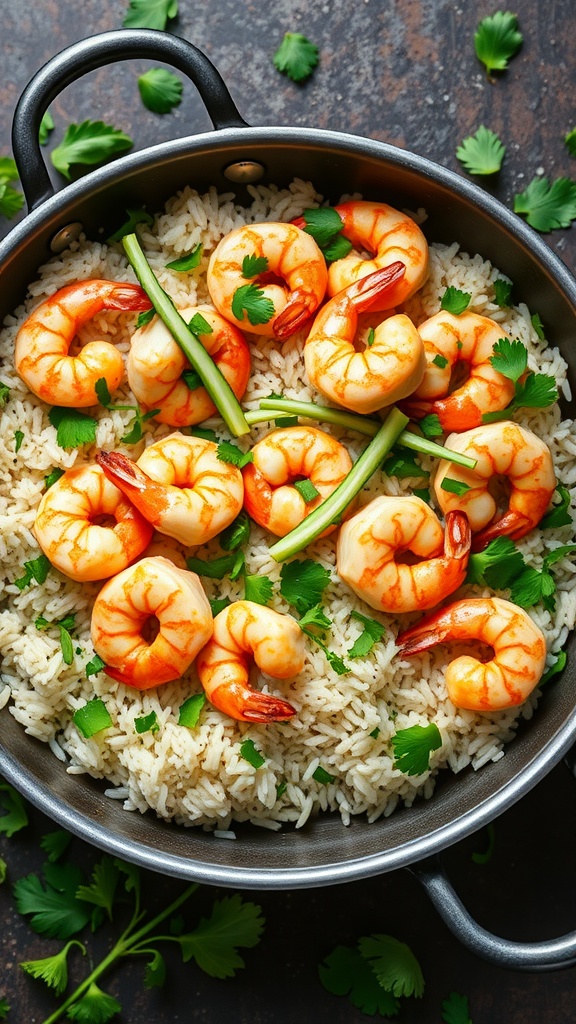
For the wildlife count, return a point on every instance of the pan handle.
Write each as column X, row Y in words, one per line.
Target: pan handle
column 95, row 52
column 529, row 956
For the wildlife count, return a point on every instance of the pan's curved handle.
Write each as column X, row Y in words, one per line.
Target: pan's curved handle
column 95, row 52
column 523, row 956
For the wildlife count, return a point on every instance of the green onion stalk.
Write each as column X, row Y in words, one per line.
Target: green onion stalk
column 217, row 387
column 336, row 503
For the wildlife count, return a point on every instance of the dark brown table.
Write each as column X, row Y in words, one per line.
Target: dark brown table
column 404, row 73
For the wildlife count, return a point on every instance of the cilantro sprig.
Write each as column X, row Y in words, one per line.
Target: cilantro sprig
column 547, row 205
column 531, row 390
column 14, row 815
column 413, row 746
column 502, row 566
column 11, row 200
column 497, row 39
column 455, row 301
column 160, row 90
column 88, row 144
column 249, row 301
column 325, row 226
column 374, row 975
column 481, row 153
column 150, row 13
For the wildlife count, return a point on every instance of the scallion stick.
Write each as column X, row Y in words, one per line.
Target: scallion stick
column 337, row 502
column 216, row 385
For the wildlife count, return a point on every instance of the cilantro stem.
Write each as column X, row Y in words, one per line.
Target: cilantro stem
column 123, row 947
column 217, row 387
column 337, row 502
column 352, row 421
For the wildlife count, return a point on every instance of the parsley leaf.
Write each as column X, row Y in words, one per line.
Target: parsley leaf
column 182, row 265
column 228, row 452
column 102, row 889
column 371, row 634
column 497, row 39
column 64, row 626
column 455, row 301
column 135, row 216
column 394, row 965
column 559, row 514
column 46, row 126
column 94, row 666
column 296, row 57
column 94, row 1007
column 55, row 844
column 237, row 534
column 323, row 224
column 53, row 908
column 546, row 205
column 250, row 300
column 302, row 583
column 258, row 589
column 413, row 746
column 558, row 666
column 345, row 972
column 4, row 394
column 510, row 358
column 213, row 944
column 254, row 265
column 161, row 90
column 497, row 566
column 36, row 569
column 481, row 153
column 53, row 970
column 147, row 723
column 321, row 775
column 455, row 1009
column 15, row 815
column 230, row 565
column 537, row 391
column 502, row 292
column 73, row 427
column 430, row 425
column 570, row 140
column 150, row 13
column 11, row 201
column 88, row 143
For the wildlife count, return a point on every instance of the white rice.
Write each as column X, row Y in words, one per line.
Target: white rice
column 344, row 724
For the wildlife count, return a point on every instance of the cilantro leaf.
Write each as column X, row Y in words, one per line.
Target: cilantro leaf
column 217, row 568
column 11, row 200
column 135, row 216
column 537, row 391
column 161, row 90
column 321, row 775
column 502, row 292
column 559, row 514
column 532, row 586
column 250, row 753
column 254, row 265
column 401, row 463
column 546, row 205
column 55, row 844
column 394, row 965
column 155, row 971
column 213, row 943
column 189, row 712
column 150, row 13
column 147, row 723
column 345, row 972
column 413, row 746
column 53, row 970
column 15, row 815
column 497, row 566
column 296, row 57
column 558, row 666
column 237, row 534
column 510, row 358
column 249, row 299
column 323, row 224
column 497, row 39
column 481, row 153
column 94, row 666
column 371, row 634
column 455, row 301
column 4, row 394
column 182, row 265
column 95, row 1007
column 228, row 452
column 455, row 1009
column 88, row 143
column 337, row 249
column 36, row 569
column 570, row 140
column 73, row 427
column 102, row 889
column 4, row 1008
column 8, row 168
column 54, row 909
column 430, row 425
column 538, row 326
column 46, row 126
column 302, row 583
column 218, row 604
column 258, row 589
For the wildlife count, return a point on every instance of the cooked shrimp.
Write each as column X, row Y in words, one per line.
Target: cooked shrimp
column 41, row 354
column 502, row 449
column 282, row 458
column 380, row 235
column 449, row 341
column 277, row 644
column 152, row 590
column 87, row 527
column 383, row 372
column 156, row 364
column 293, row 279
column 372, row 543
column 180, row 486
column 518, row 644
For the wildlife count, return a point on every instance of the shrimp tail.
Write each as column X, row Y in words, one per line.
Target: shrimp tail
column 372, row 288
column 126, row 296
column 122, row 471
column 513, row 524
column 247, row 705
column 454, row 413
column 431, row 630
column 294, row 316
column 458, row 536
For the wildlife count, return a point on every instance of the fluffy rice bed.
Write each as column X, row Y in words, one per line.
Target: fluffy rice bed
column 344, row 723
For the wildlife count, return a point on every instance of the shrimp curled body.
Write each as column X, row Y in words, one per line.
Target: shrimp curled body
column 501, row 449
column 151, row 588
column 41, row 353
column 370, row 542
column 156, row 363
column 518, row 644
column 293, row 279
column 180, row 486
column 280, row 459
column 451, row 340
column 387, row 235
column 241, row 631
column 382, row 373
column 87, row 527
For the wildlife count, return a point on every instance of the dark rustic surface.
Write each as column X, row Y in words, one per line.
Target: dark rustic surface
column 404, row 73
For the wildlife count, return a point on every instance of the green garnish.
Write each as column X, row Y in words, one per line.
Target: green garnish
column 46, row 127
column 546, row 205
column 150, row 13
column 147, row 723
column 230, row 565
column 455, row 301
column 322, row 776
column 161, row 90
column 251, row 301
column 303, row 582
column 36, row 569
column 88, row 143
column 454, row 486
column 497, row 566
column 455, row 1009
column 54, row 844
column 11, row 200
column 189, row 713
column 430, row 425
column 555, row 669
column 372, row 633
column 323, row 224
column 182, row 265
column 559, row 514
column 481, row 153
column 198, row 324
column 531, row 390
column 18, row 439
column 497, row 39
column 394, row 965
column 237, row 534
column 306, row 490
column 218, row 388
column 440, row 361
column 92, row 718
column 53, row 970
column 250, row 754
column 135, row 216
column 502, row 292
column 218, row 604
column 65, row 627
column 4, row 394
column 296, row 57
column 94, row 666
column 258, row 589
column 314, row 624
column 140, row 418
column 15, row 815
column 402, row 465
column 254, row 265
column 413, row 746
column 231, row 453
column 570, row 141
column 483, row 858
column 73, row 428
column 538, row 326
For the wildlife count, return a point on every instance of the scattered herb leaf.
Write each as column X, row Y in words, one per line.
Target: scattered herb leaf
column 150, row 13
column 229, row 452
column 555, row 669
column 250, row 300
column 559, row 514
column 502, row 292
column 53, row 970
column 249, row 752
column 160, row 90
column 189, row 713
column 147, row 723
column 88, row 143
column 135, row 216
column 182, row 265
column 372, row 633
column 306, row 490
column 547, row 205
column 455, row 301
column 55, row 844
column 258, row 589
column 322, row 776
column 497, row 39
column 94, row 666
column 92, row 718
column 36, row 569
column 455, row 1009
column 254, row 265
column 73, row 428
column 296, row 57
column 15, row 815
column 481, row 153
column 345, row 972
column 302, row 583
column 413, row 746
column 394, row 965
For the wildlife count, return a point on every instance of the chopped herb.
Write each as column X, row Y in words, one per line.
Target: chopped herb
column 250, row 300
column 249, row 752
column 160, row 89
column 440, row 361
column 559, row 514
column 481, row 153
column 150, row 13
column 230, row 565
column 370, row 338
column 147, row 723
column 375, row 733
column 51, row 903
column 145, row 318
column 538, row 326
column 53, row 970
column 46, row 127
column 322, row 776
column 135, row 433
column 237, row 534
column 394, row 965
column 53, row 476
column 337, row 249
column 455, row 301
column 306, row 490
column 430, row 425
column 64, row 626
column 206, row 433
column 570, row 140
column 73, row 428
column 192, row 379
column 315, row 618
column 323, row 224
column 11, row 200
column 296, row 57
column 497, row 39
column 135, row 216
column 546, row 205
column 92, row 718
column 345, row 972
column 454, row 486
column 302, row 583
column 497, row 566
column 228, row 452
column 281, row 788
column 3, row 872
column 4, row 394
column 189, row 713
column 413, row 746
column 4, row 1008
column 14, row 814
column 182, row 265
column 402, row 464
column 372, row 633
column 18, row 439
column 88, row 143
column 55, row 844
column 558, row 666
column 484, row 857
column 36, row 569
column 455, row 1009
column 423, row 493
column 218, row 604
column 509, row 358
column 254, row 265
column 258, row 589
column 95, row 666
column 502, row 292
